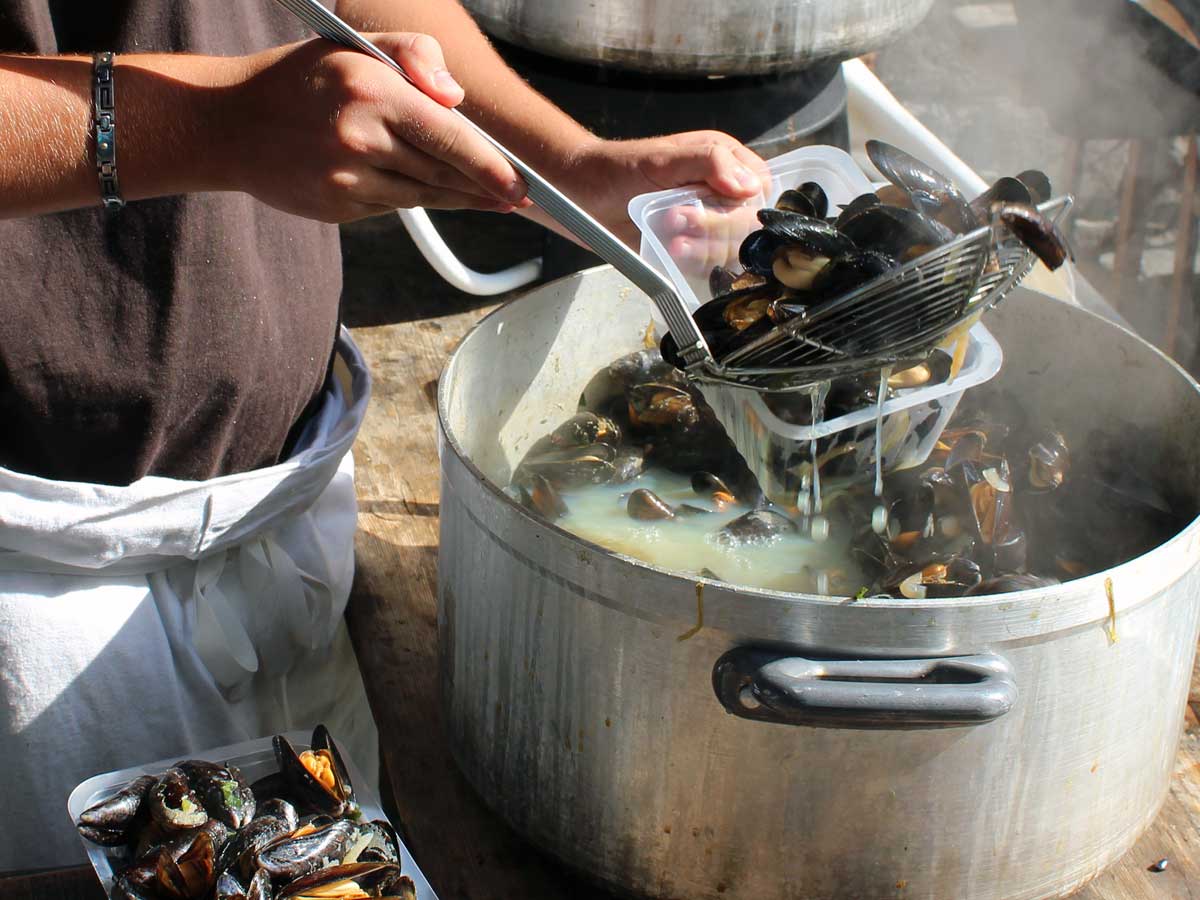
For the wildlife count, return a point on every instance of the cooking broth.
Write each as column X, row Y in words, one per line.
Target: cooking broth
column 1002, row 504
column 689, row 543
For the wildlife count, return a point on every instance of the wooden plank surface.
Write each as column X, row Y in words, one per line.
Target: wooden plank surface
column 466, row 852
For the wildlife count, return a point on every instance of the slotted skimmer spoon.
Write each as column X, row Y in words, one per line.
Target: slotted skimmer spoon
column 898, row 316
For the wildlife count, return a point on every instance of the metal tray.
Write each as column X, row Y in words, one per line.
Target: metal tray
column 256, row 759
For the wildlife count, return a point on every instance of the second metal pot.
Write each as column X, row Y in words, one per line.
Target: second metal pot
column 701, row 37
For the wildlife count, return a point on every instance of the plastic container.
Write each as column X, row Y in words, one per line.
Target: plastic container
column 913, row 420
column 656, row 215
column 255, row 759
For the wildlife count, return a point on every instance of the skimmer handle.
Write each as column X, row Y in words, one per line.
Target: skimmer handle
column 692, row 346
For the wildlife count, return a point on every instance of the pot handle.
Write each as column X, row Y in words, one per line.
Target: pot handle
column 772, row 686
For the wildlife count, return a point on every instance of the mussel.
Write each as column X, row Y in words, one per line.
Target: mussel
column 317, row 776
column 351, row 881
column 809, row 199
column 173, row 804
column 192, row 875
column 931, row 192
column 647, row 506
column 757, row 526
column 314, row 845
column 112, row 821
column 222, row 790
column 1035, row 231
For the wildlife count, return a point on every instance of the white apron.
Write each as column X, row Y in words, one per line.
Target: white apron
column 160, row 619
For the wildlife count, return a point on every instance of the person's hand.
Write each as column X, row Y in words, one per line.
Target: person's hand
column 334, row 135
column 603, row 176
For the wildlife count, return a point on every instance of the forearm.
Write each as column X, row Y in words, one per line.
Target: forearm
column 168, row 129
column 496, row 97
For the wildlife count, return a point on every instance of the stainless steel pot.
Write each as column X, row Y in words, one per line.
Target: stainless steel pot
column 1006, row 747
column 700, row 37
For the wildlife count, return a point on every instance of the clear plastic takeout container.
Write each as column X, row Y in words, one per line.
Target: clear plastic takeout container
column 908, row 439
column 255, row 759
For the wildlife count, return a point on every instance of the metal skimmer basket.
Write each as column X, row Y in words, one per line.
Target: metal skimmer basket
column 900, row 316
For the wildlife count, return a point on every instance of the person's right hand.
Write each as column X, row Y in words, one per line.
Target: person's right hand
column 332, row 134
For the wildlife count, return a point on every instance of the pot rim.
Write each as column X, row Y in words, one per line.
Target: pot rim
column 1017, row 601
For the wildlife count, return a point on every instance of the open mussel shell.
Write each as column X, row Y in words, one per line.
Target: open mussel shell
column 192, row 875
column 317, row 777
column 376, row 842
column 854, row 207
column 230, row 888
column 1037, row 182
column 173, row 803
column 1010, row 583
column 1004, row 190
column 112, row 821
column 931, row 192
column 568, row 467
column 223, row 791
column 371, row 879
column 586, row 428
column 240, row 854
column 1035, row 231
column 809, row 199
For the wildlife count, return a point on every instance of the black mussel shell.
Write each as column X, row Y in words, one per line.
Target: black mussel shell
column 809, row 199
column 305, row 851
column 112, row 821
column 655, row 405
column 896, row 231
column 1035, row 231
column 849, row 271
column 564, row 468
column 1003, row 190
column 586, row 428
column 173, row 803
column 280, row 809
column 541, row 496
column 713, row 487
column 240, row 854
column 645, row 505
column 639, row 366
column 318, row 777
column 905, row 170
column 854, row 207
column 229, row 887
column 757, row 252
column 223, row 791
column 381, row 843
column 374, row 878
column 720, row 281
column 192, row 875
column 1038, row 184
column 815, row 236
column 756, row 526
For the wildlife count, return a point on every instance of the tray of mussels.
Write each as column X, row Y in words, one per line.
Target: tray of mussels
column 282, row 817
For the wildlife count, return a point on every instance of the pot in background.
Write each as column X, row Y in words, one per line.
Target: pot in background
column 700, row 38
column 1001, row 747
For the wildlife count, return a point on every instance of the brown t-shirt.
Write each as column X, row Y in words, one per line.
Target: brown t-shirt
column 183, row 336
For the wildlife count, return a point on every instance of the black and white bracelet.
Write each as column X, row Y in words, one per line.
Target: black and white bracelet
column 106, row 130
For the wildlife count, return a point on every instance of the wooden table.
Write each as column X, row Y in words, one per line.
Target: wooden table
column 466, row 852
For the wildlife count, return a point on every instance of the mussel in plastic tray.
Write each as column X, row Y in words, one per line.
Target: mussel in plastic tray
column 272, row 819
column 806, row 253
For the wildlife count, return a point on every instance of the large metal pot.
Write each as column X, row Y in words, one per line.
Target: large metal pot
column 985, row 748
column 700, row 37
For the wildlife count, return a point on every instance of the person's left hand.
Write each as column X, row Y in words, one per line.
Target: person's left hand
column 603, row 175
